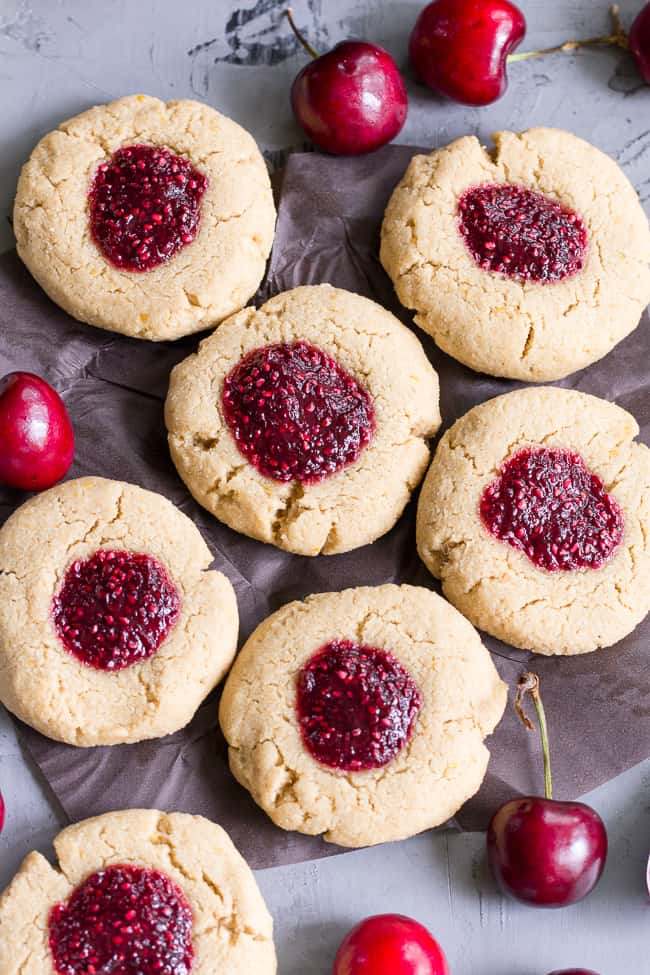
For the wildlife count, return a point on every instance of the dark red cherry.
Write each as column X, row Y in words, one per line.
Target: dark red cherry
column 2, row 813
column 460, row 47
column 36, row 436
column 390, row 944
column 639, row 41
column 544, row 852
column 350, row 100
column 573, row 971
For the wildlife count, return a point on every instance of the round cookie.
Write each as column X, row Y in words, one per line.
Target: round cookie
column 535, row 515
column 304, row 423
column 530, row 262
column 150, row 219
column 112, row 629
column 360, row 715
column 137, row 891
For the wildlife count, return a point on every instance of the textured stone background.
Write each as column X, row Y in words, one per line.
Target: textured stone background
column 57, row 58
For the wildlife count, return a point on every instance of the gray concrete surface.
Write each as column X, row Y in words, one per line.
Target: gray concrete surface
column 57, row 58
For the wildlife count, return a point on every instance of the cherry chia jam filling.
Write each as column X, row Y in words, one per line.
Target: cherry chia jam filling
column 356, row 706
column 548, row 504
column 522, row 234
column 295, row 413
column 145, row 205
column 124, row 920
column 115, row 608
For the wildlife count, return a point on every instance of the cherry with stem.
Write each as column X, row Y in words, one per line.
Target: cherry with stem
column 544, row 852
column 462, row 48
column 349, row 100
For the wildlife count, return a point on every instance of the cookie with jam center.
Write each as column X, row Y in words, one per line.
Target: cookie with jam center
column 150, row 219
column 304, row 423
column 113, row 627
column 535, row 516
column 137, row 892
column 529, row 262
column 361, row 715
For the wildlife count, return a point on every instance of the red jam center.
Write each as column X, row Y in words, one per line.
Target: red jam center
column 115, row 609
column 145, row 205
column 124, row 920
column 523, row 234
column 356, row 706
column 295, row 413
column 548, row 504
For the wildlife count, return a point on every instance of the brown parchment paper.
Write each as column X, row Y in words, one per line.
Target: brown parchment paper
column 598, row 705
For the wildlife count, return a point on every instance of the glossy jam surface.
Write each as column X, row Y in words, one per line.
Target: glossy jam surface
column 295, row 413
column 145, row 205
column 115, row 609
column 548, row 504
column 522, row 234
column 356, row 706
column 124, row 920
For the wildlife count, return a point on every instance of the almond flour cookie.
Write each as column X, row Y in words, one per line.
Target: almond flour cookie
column 137, row 892
column 304, row 423
column 112, row 629
column 530, row 262
column 535, row 514
column 360, row 715
column 148, row 219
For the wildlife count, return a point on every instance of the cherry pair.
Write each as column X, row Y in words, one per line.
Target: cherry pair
column 353, row 99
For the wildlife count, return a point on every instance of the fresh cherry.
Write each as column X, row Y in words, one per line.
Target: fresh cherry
column 543, row 852
column 350, row 100
column 574, row 971
column 639, row 41
column 36, row 436
column 389, row 944
column 2, row 813
column 460, row 47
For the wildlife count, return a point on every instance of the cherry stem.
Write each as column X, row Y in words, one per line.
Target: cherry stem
column 299, row 34
column 529, row 684
column 618, row 38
